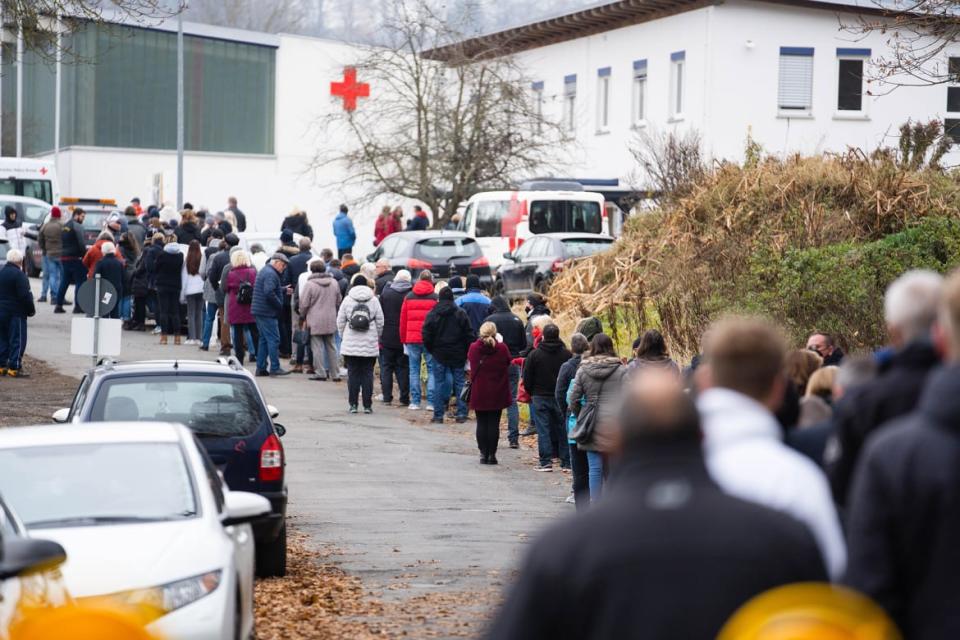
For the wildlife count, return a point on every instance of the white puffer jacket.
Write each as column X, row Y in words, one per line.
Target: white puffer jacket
column 360, row 343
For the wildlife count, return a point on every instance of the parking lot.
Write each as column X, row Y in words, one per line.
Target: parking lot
column 397, row 510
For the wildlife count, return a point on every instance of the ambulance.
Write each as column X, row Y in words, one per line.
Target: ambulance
column 29, row 178
column 502, row 220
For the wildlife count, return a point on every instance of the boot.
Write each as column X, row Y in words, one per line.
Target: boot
column 176, row 339
column 298, row 368
column 163, row 338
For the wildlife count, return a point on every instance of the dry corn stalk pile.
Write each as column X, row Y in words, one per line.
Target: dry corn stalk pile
column 678, row 267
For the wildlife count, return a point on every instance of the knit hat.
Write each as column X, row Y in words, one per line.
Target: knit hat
column 456, row 282
column 446, row 293
column 286, row 236
column 590, row 327
column 55, row 212
column 473, row 282
column 108, row 248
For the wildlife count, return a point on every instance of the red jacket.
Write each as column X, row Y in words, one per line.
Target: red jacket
column 381, row 229
column 416, row 306
column 93, row 256
column 488, row 374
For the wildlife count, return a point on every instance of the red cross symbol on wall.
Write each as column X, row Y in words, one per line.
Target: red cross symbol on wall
column 350, row 89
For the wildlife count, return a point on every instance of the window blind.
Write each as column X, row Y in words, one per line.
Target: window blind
column 795, row 88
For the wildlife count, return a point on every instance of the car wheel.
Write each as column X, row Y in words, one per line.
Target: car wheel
column 272, row 556
column 32, row 270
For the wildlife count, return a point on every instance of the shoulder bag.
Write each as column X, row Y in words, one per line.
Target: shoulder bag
column 587, row 418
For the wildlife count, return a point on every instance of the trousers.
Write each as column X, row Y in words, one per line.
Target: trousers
column 168, row 314
column 551, row 434
column 194, row 316
column 13, row 340
column 269, row 343
column 360, row 379
column 73, row 273
column 394, row 364
column 488, row 431
column 51, row 274
column 324, row 349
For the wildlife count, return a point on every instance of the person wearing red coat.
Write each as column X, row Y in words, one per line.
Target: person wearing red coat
column 413, row 313
column 490, row 388
column 382, row 227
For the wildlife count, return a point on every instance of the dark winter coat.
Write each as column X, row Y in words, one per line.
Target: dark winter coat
column 542, row 367
column 129, row 268
column 187, row 232
column 215, row 272
column 350, row 270
column 599, row 379
column 382, row 281
column 904, row 517
column 416, row 306
column 509, row 326
column 236, row 312
column 297, row 266
column 268, row 293
column 298, row 224
column 419, row 222
column 477, row 305
column 567, row 373
column 539, row 310
column 74, row 245
column 447, row 334
column 241, row 219
column 143, row 274
column 646, row 561
column 392, row 302
column 341, row 279
column 137, row 230
column 894, row 393
column 16, row 299
column 490, row 390
column 111, row 270
column 169, row 266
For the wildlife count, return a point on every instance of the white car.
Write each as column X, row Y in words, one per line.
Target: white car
column 145, row 519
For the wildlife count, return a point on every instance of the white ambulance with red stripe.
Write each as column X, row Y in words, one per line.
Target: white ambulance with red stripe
column 502, row 220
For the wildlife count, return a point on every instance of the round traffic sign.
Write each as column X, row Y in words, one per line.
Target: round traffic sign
column 108, row 297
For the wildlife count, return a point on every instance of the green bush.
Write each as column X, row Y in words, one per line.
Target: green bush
column 839, row 288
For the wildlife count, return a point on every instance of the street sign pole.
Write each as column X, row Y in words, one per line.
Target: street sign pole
column 96, row 320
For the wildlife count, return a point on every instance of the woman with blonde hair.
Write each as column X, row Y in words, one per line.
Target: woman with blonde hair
column 238, row 292
column 800, row 365
column 489, row 388
column 817, row 404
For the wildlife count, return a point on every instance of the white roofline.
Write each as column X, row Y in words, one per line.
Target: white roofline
column 195, row 29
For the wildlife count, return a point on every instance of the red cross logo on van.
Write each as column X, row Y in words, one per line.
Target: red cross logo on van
column 43, row 171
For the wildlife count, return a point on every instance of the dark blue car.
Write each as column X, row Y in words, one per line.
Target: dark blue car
column 221, row 403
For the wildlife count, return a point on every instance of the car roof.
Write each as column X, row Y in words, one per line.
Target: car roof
column 24, row 199
column 572, row 235
column 432, row 233
column 91, row 433
column 172, row 367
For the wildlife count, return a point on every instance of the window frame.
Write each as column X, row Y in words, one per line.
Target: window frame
column 862, row 56
column 953, row 117
column 603, row 100
column 795, row 52
column 569, row 124
column 638, row 89
column 676, row 100
column 537, row 96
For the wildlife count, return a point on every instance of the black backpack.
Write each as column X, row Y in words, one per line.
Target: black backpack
column 360, row 317
column 245, row 293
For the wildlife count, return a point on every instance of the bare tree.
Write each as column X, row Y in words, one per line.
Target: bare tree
column 918, row 35
column 273, row 16
column 442, row 124
column 670, row 163
column 36, row 20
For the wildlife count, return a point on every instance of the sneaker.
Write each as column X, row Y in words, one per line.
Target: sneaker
column 262, row 373
column 353, row 408
column 77, row 310
column 436, row 420
column 316, row 377
column 59, row 309
column 429, row 407
column 387, row 402
column 545, row 468
column 42, row 299
column 379, row 397
column 280, row 372
column 414, row 406
column 570, row 499
column 203, row 348
column 156, row 330
column 529, row 431
column 461, row 419
column 368, row 410
column 514, row 444
column 17, row 373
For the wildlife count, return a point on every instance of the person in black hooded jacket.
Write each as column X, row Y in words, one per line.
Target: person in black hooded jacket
column 511, row 329
column 904, row 519
column 447, row 335
column 536, row 306
column 540, row 372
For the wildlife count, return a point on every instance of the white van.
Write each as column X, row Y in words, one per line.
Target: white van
column 29, row 178
column 502, row 220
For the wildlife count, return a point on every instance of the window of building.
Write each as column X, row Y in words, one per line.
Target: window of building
column 570, row 103
column 951, row 124
column 677, row 67
column 850, row 80
column 603, row 100
column 795, row 87
column 536, row 90
column 639, row 92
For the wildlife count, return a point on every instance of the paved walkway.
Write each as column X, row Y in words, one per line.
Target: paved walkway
column 406, row 503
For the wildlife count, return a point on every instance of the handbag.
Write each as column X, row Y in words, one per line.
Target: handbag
column 587, row 419
column 301, row 337
column 467, row 388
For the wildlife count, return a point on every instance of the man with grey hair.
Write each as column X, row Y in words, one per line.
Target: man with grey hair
column 910, row 308
column 16, row 305
column 383, row 275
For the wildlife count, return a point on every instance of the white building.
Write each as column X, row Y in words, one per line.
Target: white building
column 783, row 72
column 254, row 108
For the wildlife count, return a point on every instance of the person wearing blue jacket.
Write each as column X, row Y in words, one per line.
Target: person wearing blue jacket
column 16, row 305
column 268, row 292
column 475, row 302
column 345, row 233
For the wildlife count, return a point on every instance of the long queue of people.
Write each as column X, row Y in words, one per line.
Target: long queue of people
column 754, row 468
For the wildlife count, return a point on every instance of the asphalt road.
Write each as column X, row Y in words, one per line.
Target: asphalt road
column 405, row 503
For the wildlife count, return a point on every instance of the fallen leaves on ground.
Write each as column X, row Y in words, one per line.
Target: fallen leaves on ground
column 33, row 400
column 318, row 600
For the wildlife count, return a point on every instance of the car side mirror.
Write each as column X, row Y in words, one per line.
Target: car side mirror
column 273, row 411
column 280, row 429
column 61, row 415
column 23, row 556
column 509, row 256
column 30, row 233
column 242, row 507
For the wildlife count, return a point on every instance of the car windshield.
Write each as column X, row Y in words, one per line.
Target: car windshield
column 443, row 249
column 580, row 247
column 210, row 406
column 93, row 484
